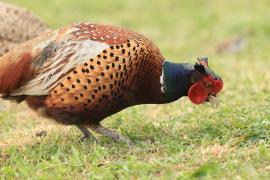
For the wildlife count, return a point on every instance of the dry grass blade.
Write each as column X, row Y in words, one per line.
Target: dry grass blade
column 214, row 101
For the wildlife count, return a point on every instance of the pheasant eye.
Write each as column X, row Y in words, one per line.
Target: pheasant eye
column 208, row 84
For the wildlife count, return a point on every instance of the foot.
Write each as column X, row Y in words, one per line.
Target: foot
column 111, row 134
column 86, row 134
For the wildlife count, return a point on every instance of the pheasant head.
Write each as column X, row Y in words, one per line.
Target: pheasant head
column 198, row 81
column 205, row 83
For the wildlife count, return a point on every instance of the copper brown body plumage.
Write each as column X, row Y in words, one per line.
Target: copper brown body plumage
column 17, row 25
column 83, row 73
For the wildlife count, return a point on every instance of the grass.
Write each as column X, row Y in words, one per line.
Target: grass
column 173, row 141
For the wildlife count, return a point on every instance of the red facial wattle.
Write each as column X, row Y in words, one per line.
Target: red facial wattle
column 199, row 92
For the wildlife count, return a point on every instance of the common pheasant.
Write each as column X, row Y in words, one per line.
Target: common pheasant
column 17, row 25
column 83, row 73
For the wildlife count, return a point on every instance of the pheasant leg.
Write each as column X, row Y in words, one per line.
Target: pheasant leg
column 111, row 134
column 86, row 133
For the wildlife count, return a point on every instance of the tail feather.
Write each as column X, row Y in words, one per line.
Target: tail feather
column 12, row 73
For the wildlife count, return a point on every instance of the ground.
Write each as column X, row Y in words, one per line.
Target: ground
column 173, row 141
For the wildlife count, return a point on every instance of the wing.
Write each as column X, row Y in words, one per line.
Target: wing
column 54, row 56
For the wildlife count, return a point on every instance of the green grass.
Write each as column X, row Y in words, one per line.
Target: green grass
column 173, row 141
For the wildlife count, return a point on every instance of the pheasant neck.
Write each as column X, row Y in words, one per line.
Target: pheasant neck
column 175, row 80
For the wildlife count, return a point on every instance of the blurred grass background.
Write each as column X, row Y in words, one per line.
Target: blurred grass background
column 173, row 141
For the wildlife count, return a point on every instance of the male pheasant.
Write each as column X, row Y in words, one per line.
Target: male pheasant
column 83, row 73
column 17, row 25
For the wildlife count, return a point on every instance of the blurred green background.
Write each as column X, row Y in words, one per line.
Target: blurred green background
column 177, row 140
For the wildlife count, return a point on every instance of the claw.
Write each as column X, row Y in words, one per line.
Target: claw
column 85, row 138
